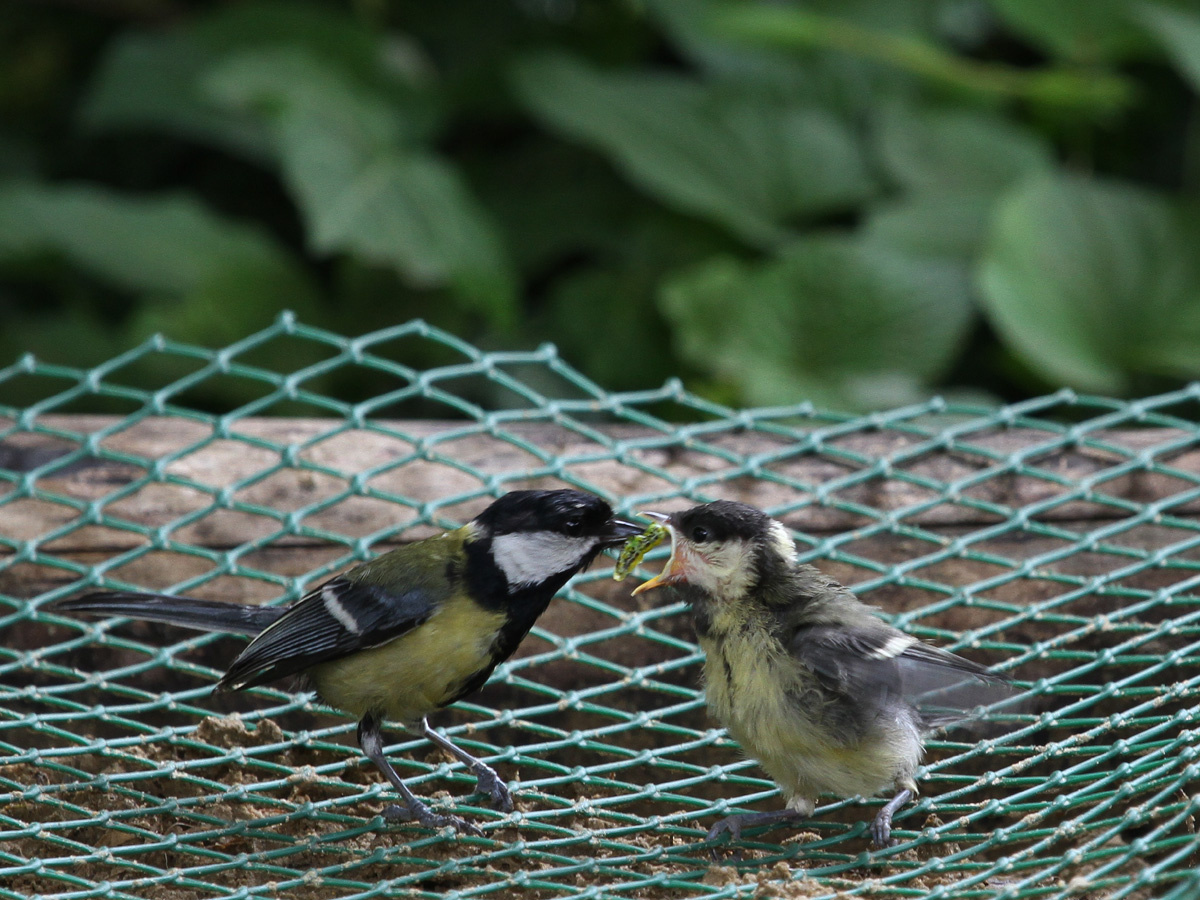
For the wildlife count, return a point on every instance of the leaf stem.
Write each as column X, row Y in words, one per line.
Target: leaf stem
column 795, row 29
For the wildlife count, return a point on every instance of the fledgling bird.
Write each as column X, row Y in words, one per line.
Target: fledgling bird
column 411, row 631
column 826, row 696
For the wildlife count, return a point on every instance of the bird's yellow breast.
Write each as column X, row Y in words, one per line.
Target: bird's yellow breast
column 747, row 684
column 418, row 672
column 775, row 710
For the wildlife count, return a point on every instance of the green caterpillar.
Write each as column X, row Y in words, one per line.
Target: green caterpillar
column 637, row 547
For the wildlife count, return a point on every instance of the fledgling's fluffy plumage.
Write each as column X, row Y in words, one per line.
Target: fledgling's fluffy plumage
column 826, row 696
column 411, row 631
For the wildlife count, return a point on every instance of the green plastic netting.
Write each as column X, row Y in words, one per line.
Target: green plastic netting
column 1056, row 537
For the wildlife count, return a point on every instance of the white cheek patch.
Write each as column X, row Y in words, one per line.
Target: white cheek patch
column 530, row 557
column 782, row 541
column 726, row 570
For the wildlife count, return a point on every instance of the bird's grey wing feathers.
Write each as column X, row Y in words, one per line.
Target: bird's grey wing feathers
column 878, row 662
column 338, row 618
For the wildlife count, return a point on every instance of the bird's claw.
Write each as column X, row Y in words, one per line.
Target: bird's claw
column 734, row 824
column 881, row 827
column 423, row 815
column 731, row 825
column 499, row 796
column 881, row 831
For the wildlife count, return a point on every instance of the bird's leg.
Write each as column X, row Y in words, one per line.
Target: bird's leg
column 734, row 824
column 488, row 781
column 413, row 808
column 881, row 828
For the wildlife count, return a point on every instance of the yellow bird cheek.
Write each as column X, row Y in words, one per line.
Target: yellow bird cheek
column 417, row 673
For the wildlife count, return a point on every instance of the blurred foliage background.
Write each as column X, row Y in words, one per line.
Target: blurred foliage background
column 856, row 202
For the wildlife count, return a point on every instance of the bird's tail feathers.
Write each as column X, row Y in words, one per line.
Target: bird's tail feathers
column 970, row 701
column 187, row 612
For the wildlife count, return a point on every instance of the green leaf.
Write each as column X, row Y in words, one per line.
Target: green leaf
column 749, row 162
column 602, row 314
column 831, row 319
column 157, row 80
column 1179, row 33
column 953, row 225
column 580, row 206
column 415, row 211
column 280, row 83
column 952, row 165
column 958, row 150
column 343, row 42
column 151, row 81
column 613, row 302
column 221, row 277
column 1085, row 31
column 785, row 26
column 364, row 187
column 164, row 244
column 1092, row 282
column 843, row 84
column 18, row 158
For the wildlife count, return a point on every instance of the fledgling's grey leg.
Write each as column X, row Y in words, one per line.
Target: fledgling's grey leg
column 881, row 828
column 733, row 825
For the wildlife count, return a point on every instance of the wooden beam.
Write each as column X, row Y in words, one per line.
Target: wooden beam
column 448, row 459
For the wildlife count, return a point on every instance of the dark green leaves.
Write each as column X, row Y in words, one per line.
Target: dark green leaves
column 1094, row 282
column 203, row 275
column 1077, row 29
column 1178, row 32
column 952, row 166
column 956, row 150
column 322, row 100
column 154, row 82
column 751, row 162
column 846, row 201
column 830, row 319
column 364, row 185
column 169, row 246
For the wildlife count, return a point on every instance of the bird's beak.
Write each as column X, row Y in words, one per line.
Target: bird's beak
column 618, row 531
column 672, row 572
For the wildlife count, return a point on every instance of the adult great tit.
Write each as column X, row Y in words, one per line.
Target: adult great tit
column 411, row 631
column 827, row 697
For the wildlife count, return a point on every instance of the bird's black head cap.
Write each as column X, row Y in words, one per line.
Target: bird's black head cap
column 729, row 522
column 722, row 520
column 573, row 513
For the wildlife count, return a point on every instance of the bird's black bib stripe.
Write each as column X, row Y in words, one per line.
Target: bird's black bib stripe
column 521, row 607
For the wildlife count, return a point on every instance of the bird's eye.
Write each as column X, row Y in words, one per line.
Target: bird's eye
column 573, row 527
column 700, row 534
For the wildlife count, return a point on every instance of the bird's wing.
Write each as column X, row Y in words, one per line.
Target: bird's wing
column 342, row 616
column 875, row 662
